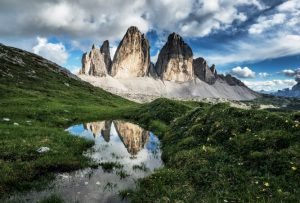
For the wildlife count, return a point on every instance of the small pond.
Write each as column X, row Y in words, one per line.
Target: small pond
column 125, row 153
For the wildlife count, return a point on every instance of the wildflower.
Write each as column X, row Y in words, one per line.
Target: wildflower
column 266, row 184
column 286, row 121
column 256, row 182
column 294, row 168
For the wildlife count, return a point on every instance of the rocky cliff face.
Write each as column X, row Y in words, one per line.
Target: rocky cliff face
column 230, row 80
column 175, row 65
column 203, row 72
column 132, row 58
column 133, row 136
column 152, row 71
column 175, row 60
column 104, row 49
column 97, row 62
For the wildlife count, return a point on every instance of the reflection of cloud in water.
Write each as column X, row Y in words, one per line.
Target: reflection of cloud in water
column 124, row 143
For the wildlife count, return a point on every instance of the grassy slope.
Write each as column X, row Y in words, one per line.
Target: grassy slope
column 212, row 153
column 43, row 101
column 222, row 154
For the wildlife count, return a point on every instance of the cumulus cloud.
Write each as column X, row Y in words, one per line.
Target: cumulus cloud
column 55, row 52
column 101, row 19
column 270, row 85
column 243, row 72
column 265, row 22
column 286, row 15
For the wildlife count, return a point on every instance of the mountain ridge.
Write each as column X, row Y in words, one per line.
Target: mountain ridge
column 175, row 65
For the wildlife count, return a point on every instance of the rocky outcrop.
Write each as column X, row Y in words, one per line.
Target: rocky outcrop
column 132, row 58
column 133, row 136
column 152, row 71
column 175, row 60
column 214, row 70
column 232, row 81
column 104, row 49
column 203, row 72
column 97, row 62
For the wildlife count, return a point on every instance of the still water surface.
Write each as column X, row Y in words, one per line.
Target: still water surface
column 132, row 151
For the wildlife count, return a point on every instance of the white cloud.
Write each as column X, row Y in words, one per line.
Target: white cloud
column 283, row 45
column 243, row 72
column 102, row 19
column 289, row 72
column 292, row 73
column 263, row 74
column 289, row 6
column 270, row 85
column 265, row 22
column 210, row 16
column 55, row 52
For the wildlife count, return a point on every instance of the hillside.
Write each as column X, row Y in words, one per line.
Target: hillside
column 212, row 153
column 216, row 153
column 38, row 100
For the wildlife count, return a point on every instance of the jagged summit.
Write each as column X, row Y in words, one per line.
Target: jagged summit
column 175, row 74
column 175, row 60
column 132, row 58
column 97, row 62
column 203, row 71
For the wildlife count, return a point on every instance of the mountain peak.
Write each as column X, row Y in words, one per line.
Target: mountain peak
column 174, row 37
column 132, row 58
column 133, row 29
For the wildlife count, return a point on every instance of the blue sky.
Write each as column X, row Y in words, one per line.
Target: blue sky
column 258, row 41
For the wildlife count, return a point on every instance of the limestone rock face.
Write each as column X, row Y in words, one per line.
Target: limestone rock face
column 214, row 70
column 133, row 136
column 132, row 58
column 97, row 62
column 104, row 49
column 152, row 71
column 203, row 72
column 232, row 81
column 175, row 60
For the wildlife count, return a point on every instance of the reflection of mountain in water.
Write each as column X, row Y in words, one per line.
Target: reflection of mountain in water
column 133, row 136
column 100, row 128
